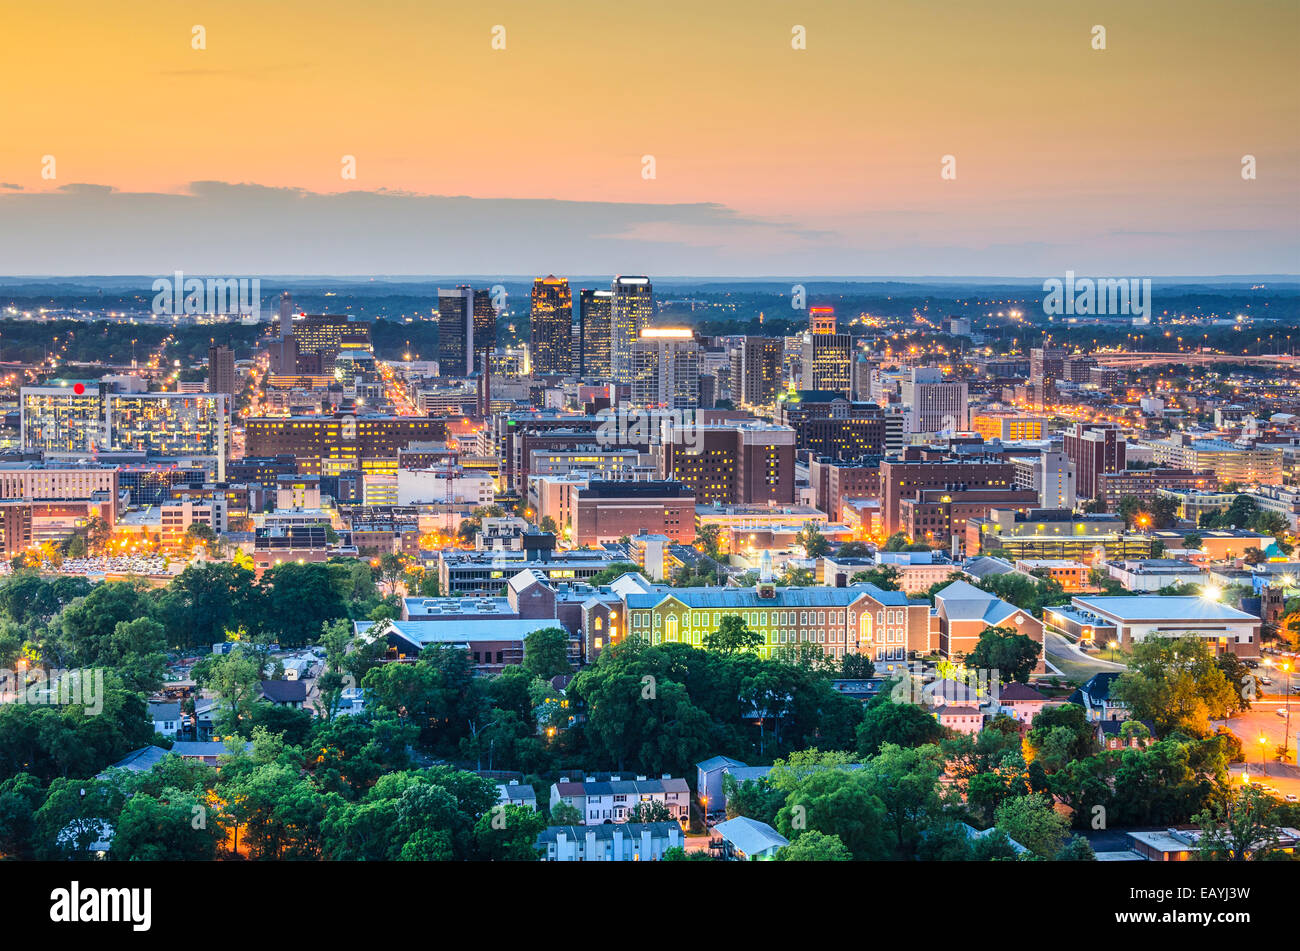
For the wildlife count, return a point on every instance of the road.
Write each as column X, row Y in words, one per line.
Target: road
column 1262, row 719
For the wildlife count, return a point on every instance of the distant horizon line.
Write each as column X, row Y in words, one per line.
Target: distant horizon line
column 918, row 279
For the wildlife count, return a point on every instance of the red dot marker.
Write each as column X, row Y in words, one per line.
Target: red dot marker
column 79, row 388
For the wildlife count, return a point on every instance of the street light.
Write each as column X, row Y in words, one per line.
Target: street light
column 1285, row 667
column 1113, row 645
column 1263, row 766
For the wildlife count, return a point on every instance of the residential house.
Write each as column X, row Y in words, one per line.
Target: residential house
column 744, row 839
column 1094, row 697
column 515, row 793
column 166, row 718
column 629, row 842
column 960, row 719
column 1020, row 701
column 710, row 788
column 284, row 693
column 609, row 798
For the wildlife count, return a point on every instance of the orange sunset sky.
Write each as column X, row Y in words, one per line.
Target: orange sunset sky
column 768, row 160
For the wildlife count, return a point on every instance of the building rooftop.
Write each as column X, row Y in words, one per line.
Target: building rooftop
column 749, row 835
column 1174, row 608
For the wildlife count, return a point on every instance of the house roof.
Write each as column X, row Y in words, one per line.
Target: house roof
column 1018, row 691
column 284, row 691
column 164, row 711
column 749, row 835
column 516, row 792
column 621, row 787
column 629, row 830
column 206, row 748
column 986, row 565
column 1099, row 685
column 717, row 762
column 141, row 760
column 962, row 601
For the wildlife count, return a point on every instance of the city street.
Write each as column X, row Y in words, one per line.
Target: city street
column 1263, row 720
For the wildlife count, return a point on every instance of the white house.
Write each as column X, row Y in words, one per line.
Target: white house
column 630, row 842
column 609, row 798
column 166, row 718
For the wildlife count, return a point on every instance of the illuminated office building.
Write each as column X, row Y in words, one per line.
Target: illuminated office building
column 485, row 328
column 552, row 325
column 595, row 333
column 631, row 309
column 666, row 368
column 170, row 425
column 456, row 331
column 826, row 354
column 60, row 421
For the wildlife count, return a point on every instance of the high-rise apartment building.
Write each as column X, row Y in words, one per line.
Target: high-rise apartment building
column 933, row 404
column 320, row 338
column 666, row 368
column 170, row 426
column 631, row 310
column 595, row 333
column 756, row 372
column 332, row 444
column 221, row 370
column 552, row 325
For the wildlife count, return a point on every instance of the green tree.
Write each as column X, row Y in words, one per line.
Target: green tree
column 1006, row 650
column 75, row 815
column 733, row 635
column 1243, row 827
column 546, row 652
column 1176, row 684
column 900, row 724
column 174, row 829
column 564, row 814
column 653, row 811
column 884, row 577
column 812, row 540
column 814, row 846
column 838, row 802
column 1031, row 821
column 508, row 833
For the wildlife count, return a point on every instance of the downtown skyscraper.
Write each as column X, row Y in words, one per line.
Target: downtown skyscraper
column 632, row 307
column 456, row 331
column 826, row 354
column 552, row 325
column 594, row 333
